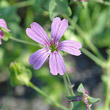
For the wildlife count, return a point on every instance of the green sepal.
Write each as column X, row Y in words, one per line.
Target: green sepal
column 92, row 100
column 71, row 97
column 79, row 105
column 81, row 87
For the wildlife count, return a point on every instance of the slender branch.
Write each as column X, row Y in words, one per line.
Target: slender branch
column 94, row 58
column 47, row 96
column 66, row 84
column 24, row 42
column 107, row 72
column 70, row 85
column 102, row 2
column 24, row 3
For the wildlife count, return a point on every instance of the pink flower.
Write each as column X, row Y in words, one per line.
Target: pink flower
column 53, row 46
column 3, row 25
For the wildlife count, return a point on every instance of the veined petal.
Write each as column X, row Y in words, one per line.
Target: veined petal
column 71, row 47
column 3, row 24
column 37, row 33
column 39, row 57
column 58, row 28
column 56, row 63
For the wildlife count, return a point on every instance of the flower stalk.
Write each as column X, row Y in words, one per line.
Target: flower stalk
column 47, row 96
column 107, row 97
column 24, row 42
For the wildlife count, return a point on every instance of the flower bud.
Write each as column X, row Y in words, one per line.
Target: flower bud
column 20, row 75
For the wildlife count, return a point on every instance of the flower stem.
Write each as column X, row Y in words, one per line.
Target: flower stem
column 24, row 3
column 70, row 85
column 66, row 85
column 47, row 96
column 93, row 57
column 102, row 2
column 85, row 37
column 107, row 98
column 24, row 42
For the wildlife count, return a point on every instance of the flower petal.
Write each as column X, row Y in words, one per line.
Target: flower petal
column 1, row 36
column 58, row 28
column 71, row 47
column 3, row 24
column 39, row 57
column 56, row 63
column 37, row 33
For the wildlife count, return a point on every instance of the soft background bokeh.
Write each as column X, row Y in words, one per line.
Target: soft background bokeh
column 93, row 18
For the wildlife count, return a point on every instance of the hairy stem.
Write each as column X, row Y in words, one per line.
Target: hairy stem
column 47, row 96
column 24, row 42
column 93, row 58
column 69, row 84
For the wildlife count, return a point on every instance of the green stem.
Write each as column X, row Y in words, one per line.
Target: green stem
column 24, row 42
column 107, row 70
column 66, row 84
column 24, row 3
column 102, row 2
column 85, row 37
column 70, row 85
column 93, row 57
column 68, row 89
column 47, row 96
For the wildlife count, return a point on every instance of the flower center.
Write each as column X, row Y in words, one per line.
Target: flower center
column 53, row 48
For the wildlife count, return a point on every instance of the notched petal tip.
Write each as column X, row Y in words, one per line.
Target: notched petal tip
column 38, row 34
column 58, row 28
column 27, row 30
column 57, row 19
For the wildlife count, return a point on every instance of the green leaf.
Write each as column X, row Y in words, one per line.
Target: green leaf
column 41, row 5
column 71, row 97
column 100, row 22
column 79, row 105
column 93, row 100
column 11, row 10
column 37, row 6
column 58, row 7
column 81, row 87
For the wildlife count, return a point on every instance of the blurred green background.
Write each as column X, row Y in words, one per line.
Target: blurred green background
column 92, row 17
